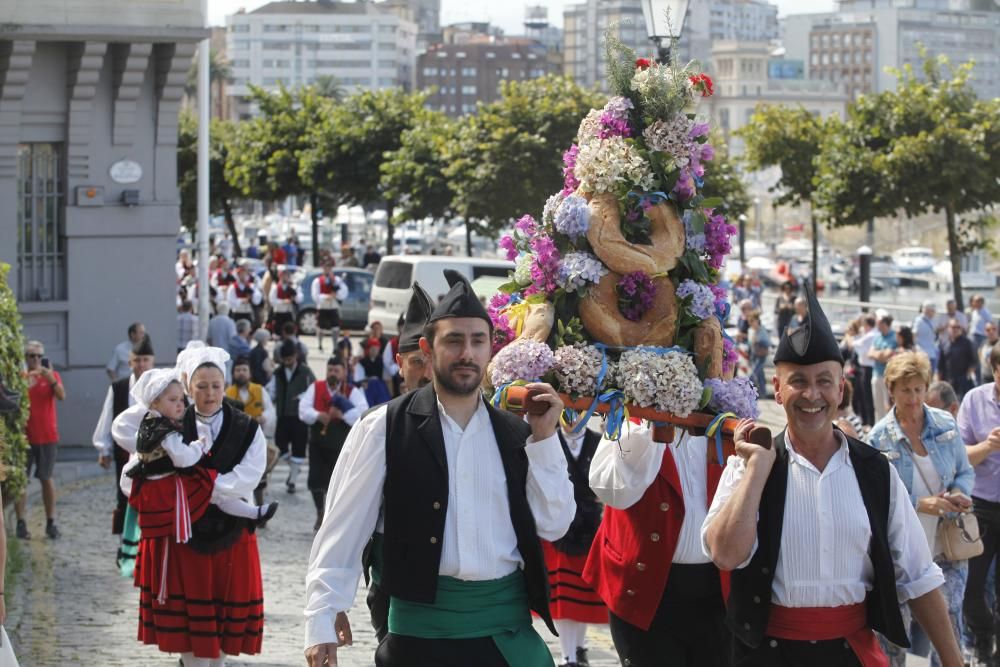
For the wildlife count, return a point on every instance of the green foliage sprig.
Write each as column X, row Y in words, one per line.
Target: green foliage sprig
column 13, row 443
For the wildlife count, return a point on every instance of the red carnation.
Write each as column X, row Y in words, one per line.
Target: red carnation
column 703, row 84
column 642, row 63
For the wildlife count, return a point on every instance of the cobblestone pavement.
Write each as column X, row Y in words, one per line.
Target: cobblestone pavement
column 70, row 608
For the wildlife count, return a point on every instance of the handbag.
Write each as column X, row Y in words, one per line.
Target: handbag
column 958, row 535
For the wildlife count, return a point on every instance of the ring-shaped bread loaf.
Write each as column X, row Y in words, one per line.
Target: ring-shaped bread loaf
column 601, row 316
column 605, row 237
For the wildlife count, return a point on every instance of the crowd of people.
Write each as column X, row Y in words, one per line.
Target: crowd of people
column 866, row 529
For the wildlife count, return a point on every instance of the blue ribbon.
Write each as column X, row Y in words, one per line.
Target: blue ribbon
column 616, row 413
column 597, row 386
column 715, row 428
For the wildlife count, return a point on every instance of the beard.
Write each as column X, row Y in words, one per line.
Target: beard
column 241, row 382
column 446, row 380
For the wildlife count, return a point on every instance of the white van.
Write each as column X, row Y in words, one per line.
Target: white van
column 396, row 274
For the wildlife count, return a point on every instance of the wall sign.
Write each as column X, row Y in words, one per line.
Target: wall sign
column 125, row 171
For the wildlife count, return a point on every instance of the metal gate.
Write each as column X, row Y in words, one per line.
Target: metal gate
column 41, row 223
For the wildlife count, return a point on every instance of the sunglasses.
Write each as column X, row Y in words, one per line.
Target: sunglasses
column 33, row 355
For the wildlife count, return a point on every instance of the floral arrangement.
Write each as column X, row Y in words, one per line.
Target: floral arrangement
column 646, row 149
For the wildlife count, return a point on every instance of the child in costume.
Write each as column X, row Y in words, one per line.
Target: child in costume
column 169, row 489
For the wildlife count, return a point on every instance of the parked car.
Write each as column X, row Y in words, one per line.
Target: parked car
column 353, row 310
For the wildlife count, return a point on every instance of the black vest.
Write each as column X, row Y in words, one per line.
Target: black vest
column 750, row 592
column 119, row 396
column 581, row 532
column 416, row 499
column 215, row 530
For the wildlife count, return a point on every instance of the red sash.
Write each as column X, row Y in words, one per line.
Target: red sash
column 325, row 285
column 285, row 293
column 825, row 623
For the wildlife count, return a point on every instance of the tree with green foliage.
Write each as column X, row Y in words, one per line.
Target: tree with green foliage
column 788, row 138
column 413, row 174
column 264, row 157
column 13, row 443
column 329, row 87
column 345, row 149
column 221, row 193
column 723, row 181
column 219, row 72
column 507, row 159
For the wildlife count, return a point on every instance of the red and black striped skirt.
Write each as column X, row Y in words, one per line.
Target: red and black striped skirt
column 571, row 597
column 157, row 503
column 214, row 602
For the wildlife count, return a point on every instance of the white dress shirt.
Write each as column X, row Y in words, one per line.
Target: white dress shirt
column 283, row 305
column 237, row 483
column 329, row 301
column 823, row 559
column 308, row 413
column 103, row 441
column 862, row 345
column 238, row 305
column 119, row 359
column 621, row 473
column 479, row 542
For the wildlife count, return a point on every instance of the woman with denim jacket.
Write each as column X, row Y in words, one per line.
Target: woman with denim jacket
column 924, row 445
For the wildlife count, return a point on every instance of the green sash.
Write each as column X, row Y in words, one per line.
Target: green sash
column 129, row 548
column 470, row 609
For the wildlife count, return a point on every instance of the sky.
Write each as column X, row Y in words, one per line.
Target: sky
column 507, row 15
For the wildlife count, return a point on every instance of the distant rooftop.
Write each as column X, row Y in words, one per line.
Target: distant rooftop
column 312, row 7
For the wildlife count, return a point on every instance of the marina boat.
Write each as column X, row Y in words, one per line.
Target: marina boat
column 914, row 259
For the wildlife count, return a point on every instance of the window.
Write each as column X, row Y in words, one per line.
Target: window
column 41, row 223
column 430, row 71
column 468, row 71
column 240, row 45
column 490, row 55
column 468, row 90
column 239, row 28
column 515, row 56
column 394, row 275
column 240, row 63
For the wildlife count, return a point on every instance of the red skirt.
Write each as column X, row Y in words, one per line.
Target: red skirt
column 214, row 602
column 571, row 597
column 156, row 499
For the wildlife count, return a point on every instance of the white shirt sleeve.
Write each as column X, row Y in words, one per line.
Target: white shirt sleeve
column 125, row 482
column 231, row 296
column 352, row 507
column 360, row 402
column 916, row 571
column 182, row 454
column 314, row 290
column 256, row 297
column 125, row 427
column 389, row 361
column 272, row 296
column 103, row 442
column 620, row 472
column 307, row 412
column 244, row 478
column 735, row 470
column 549, row 489
column 359, row 373
column 270, row 418
column 342, row 291
column 298, row 295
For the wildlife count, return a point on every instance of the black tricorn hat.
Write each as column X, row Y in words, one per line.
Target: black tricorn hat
column 460, row 301
column 417, row 314
column 811, row 343
column 144, row 348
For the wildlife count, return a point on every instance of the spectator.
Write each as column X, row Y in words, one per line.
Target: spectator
column 371, row 258
column 288, row 333
column 187, row 325
column 784, row 307
column 958, row 360
column 925, row 334
column 904, row 340
column 183, row 266
column 992, row 337
column 979, row 426
column 801, row 315
column 239, row 345
column 118, row 366
column 221, row 328
column 44, row 388
column 942, row 319
column 942, row 396
column 347, row 256
column 226, row 247
column 880, row 353
column 291, row 434
column 846, row 420
column 283, row 299
column 743, row 322
column 866, row 369
column 760, row 350
column 980, row 318
column 369, row 373
column 292, row 253
column 924, row 446
column 377, row 332
column 261, row 366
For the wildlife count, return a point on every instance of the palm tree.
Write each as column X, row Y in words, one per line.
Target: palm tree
column 329, row 87
column 219, row 72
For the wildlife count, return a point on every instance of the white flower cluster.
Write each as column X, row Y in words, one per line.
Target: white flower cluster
column 551, row 206
column 522, row 270
column 602, row 165
column 577, row 368
column 669, row 382
column 590, row 126
column 671, row 137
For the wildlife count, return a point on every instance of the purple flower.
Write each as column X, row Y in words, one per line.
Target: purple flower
column 570, row 181
column 572, row 218
column 698, row 130
column 503, row 334
column 525, row 359
column 685, row 186
column 636, row 292
column 707, row 153
column 544, row 266
column 508, row 245
column 718, row 233
column 721, row 299
column 526, row 225
column 614, row 127
column 702, row 304
column 729, row 355
column 738, row 396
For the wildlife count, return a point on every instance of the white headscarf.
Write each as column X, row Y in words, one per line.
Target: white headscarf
column 191, row 358
column 152, row 383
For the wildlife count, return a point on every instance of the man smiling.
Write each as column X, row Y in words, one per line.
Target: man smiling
column 819, row 531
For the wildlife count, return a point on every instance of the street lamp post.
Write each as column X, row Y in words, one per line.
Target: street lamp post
column 664, row 23
column 743, row 238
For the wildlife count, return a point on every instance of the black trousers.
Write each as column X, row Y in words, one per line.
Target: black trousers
column 982, row 620
column 867, row 413
column 378, row 607
column 403, row 651
column 290, row 432
column 788, row 653
column 689, row 629
column 121, row 500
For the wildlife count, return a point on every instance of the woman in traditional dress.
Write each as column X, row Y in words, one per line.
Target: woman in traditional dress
column 213, row 602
